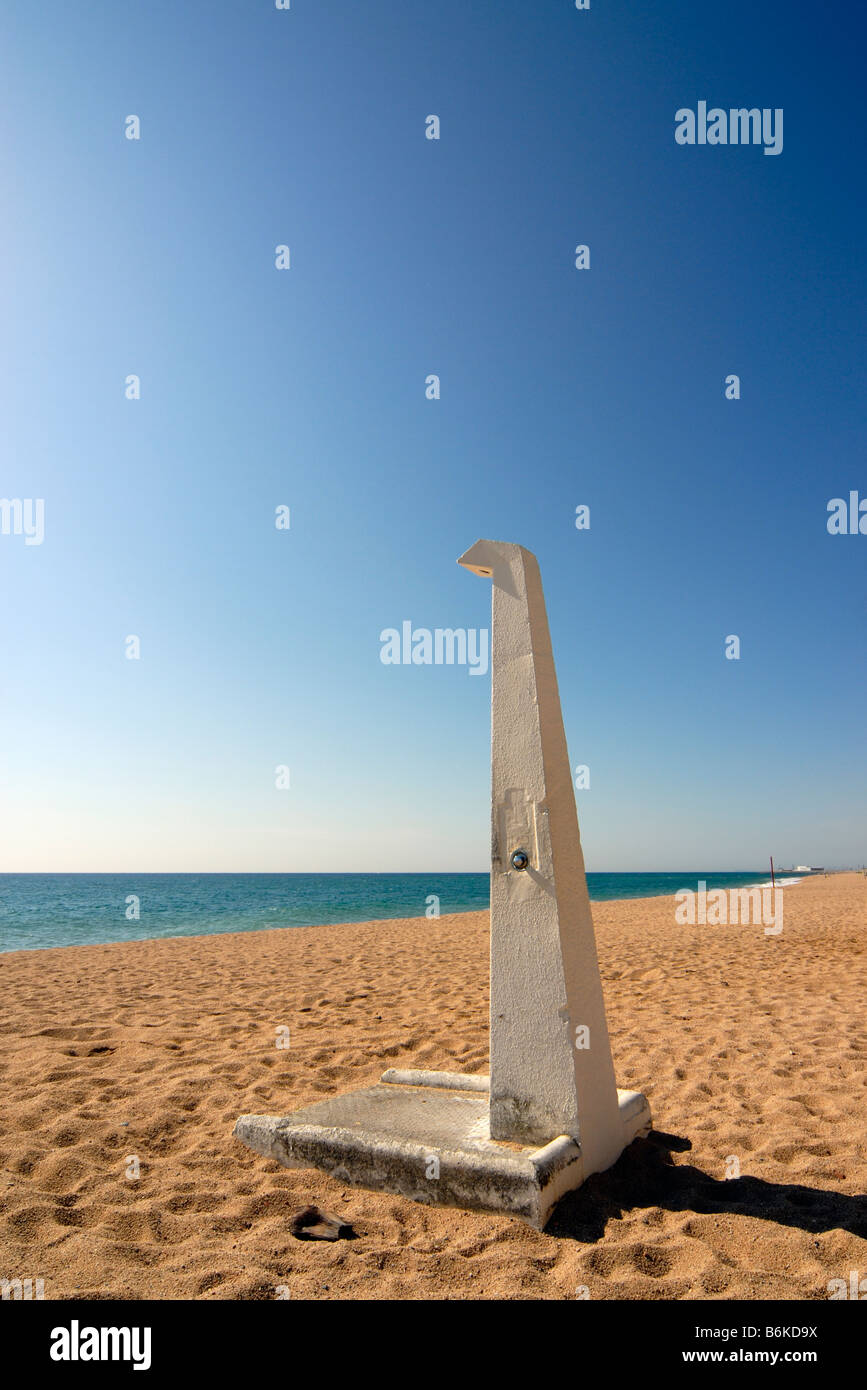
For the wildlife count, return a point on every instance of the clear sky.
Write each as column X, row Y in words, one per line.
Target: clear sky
column 306, row 387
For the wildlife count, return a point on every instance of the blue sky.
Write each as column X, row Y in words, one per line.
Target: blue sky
column 306, row 387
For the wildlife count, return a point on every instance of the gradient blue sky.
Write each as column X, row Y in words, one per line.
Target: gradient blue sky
column 306, row 387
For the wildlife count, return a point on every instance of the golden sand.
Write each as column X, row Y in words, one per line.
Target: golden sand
column 749, row 1047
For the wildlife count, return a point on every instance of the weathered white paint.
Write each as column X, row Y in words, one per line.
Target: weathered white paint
column 544, row 971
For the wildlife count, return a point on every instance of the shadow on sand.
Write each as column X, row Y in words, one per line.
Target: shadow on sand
column 645, row 1176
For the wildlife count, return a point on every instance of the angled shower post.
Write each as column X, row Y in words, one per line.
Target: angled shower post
column 551, row 1067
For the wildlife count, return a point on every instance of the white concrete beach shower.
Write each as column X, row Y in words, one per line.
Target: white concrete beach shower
column 550, row 1114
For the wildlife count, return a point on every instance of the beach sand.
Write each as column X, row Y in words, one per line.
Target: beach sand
column 749, row 1047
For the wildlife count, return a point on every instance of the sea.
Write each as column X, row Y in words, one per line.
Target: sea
column 44, row 910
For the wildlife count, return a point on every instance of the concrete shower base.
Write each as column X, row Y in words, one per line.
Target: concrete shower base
column 425, row 1136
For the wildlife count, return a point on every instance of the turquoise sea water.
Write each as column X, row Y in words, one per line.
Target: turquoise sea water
column 40, row 910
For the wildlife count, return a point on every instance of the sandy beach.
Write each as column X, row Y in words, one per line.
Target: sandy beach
column 749, row 1047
